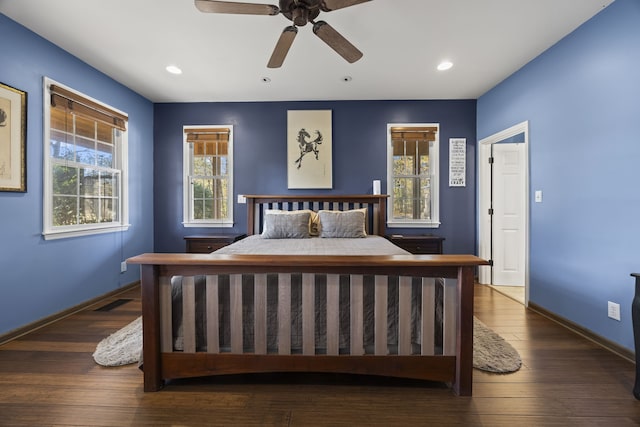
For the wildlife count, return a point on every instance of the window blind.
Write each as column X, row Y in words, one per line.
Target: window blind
column 209, row 140
column 77, row 104
column 207, row 134
column 427, row 133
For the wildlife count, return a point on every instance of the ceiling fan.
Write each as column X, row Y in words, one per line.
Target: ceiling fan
column 300, row 12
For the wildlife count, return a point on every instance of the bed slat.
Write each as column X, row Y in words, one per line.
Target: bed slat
column 376, row 222
column 260, row 314
column 333, row 314
column 404, row 316
column 284, row 313
column 427, row 336
column 449, row 318
column 166, row 328
column 308, row 314
column 213, row 331
column 189, row 314
column 235, row 303
column 380, row 313
column 356, row 336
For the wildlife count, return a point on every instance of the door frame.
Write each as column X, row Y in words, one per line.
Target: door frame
column 484, row 200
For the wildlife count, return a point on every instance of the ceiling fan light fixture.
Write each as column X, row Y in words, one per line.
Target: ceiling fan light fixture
column 445, row 65
column 173, row 69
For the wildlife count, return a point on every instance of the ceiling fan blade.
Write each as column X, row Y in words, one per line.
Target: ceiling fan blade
column 328, row 5
column 211, row 6
column 336, row 41
column 282, row 47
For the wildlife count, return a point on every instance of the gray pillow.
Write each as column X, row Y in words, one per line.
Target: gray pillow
column 342, row 224
column 286, row 225
column 313, row 218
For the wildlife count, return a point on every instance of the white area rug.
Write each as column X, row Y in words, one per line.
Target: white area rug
column 122, row 347
column 490, row 351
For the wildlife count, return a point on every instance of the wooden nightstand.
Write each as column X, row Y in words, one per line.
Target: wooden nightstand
column 204, row 244
column 418, row 243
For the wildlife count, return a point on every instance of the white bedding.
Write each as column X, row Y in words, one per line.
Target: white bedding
column 257, row 245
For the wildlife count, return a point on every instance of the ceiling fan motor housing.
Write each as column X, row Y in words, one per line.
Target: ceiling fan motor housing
column 300, row 11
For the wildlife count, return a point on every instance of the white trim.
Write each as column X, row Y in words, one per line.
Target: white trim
column 49, row 232
column 46, row 170
column 484, row 199
column 207, row 224
column 434, row 178
column 187, row 222
column 412, row 224
column 86, row 232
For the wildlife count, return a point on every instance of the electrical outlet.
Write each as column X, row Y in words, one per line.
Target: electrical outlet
column 123, row 266
column 242, row 199
column 614, row 310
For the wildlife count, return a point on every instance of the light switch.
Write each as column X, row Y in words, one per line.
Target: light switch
column 538, row 196
column 242, row 199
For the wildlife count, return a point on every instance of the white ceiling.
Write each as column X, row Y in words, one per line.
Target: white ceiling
column 224, row 57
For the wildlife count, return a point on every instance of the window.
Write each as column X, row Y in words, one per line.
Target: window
column 208, row 176
column 84, row 165
column 413, row 175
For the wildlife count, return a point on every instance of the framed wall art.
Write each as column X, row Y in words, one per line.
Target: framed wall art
column 13, row 137
column 309, row 149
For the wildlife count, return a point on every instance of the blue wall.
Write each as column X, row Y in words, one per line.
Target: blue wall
column 359, row 157
column 582, row 100
column 39, row 278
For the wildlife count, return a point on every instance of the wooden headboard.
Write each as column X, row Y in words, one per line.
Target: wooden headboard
column 375, row 204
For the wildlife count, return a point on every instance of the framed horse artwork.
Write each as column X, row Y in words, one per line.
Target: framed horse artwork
column 309, row 149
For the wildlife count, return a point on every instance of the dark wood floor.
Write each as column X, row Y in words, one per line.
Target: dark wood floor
column 49, row 378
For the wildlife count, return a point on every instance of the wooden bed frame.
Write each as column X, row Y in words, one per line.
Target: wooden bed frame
column 453, row 366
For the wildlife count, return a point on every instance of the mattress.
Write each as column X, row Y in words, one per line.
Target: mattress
column 256, row 245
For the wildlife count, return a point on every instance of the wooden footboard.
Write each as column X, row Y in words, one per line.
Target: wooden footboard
column 411, row 355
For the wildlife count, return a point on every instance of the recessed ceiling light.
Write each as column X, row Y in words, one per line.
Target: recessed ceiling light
column 445, row 65
column 173, row 69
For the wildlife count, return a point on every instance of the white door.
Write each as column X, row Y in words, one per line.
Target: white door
column 509, row 209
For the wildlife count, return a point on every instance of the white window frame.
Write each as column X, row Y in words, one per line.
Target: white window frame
column 434, row 178
column 50, row 231
column 187, row 214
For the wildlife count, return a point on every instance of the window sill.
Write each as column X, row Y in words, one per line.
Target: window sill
column 412, row 224
column 53, row 235
column 207, row 224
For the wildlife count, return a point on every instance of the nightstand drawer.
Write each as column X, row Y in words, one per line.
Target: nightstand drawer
column 206, row 244
column 418, row 244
